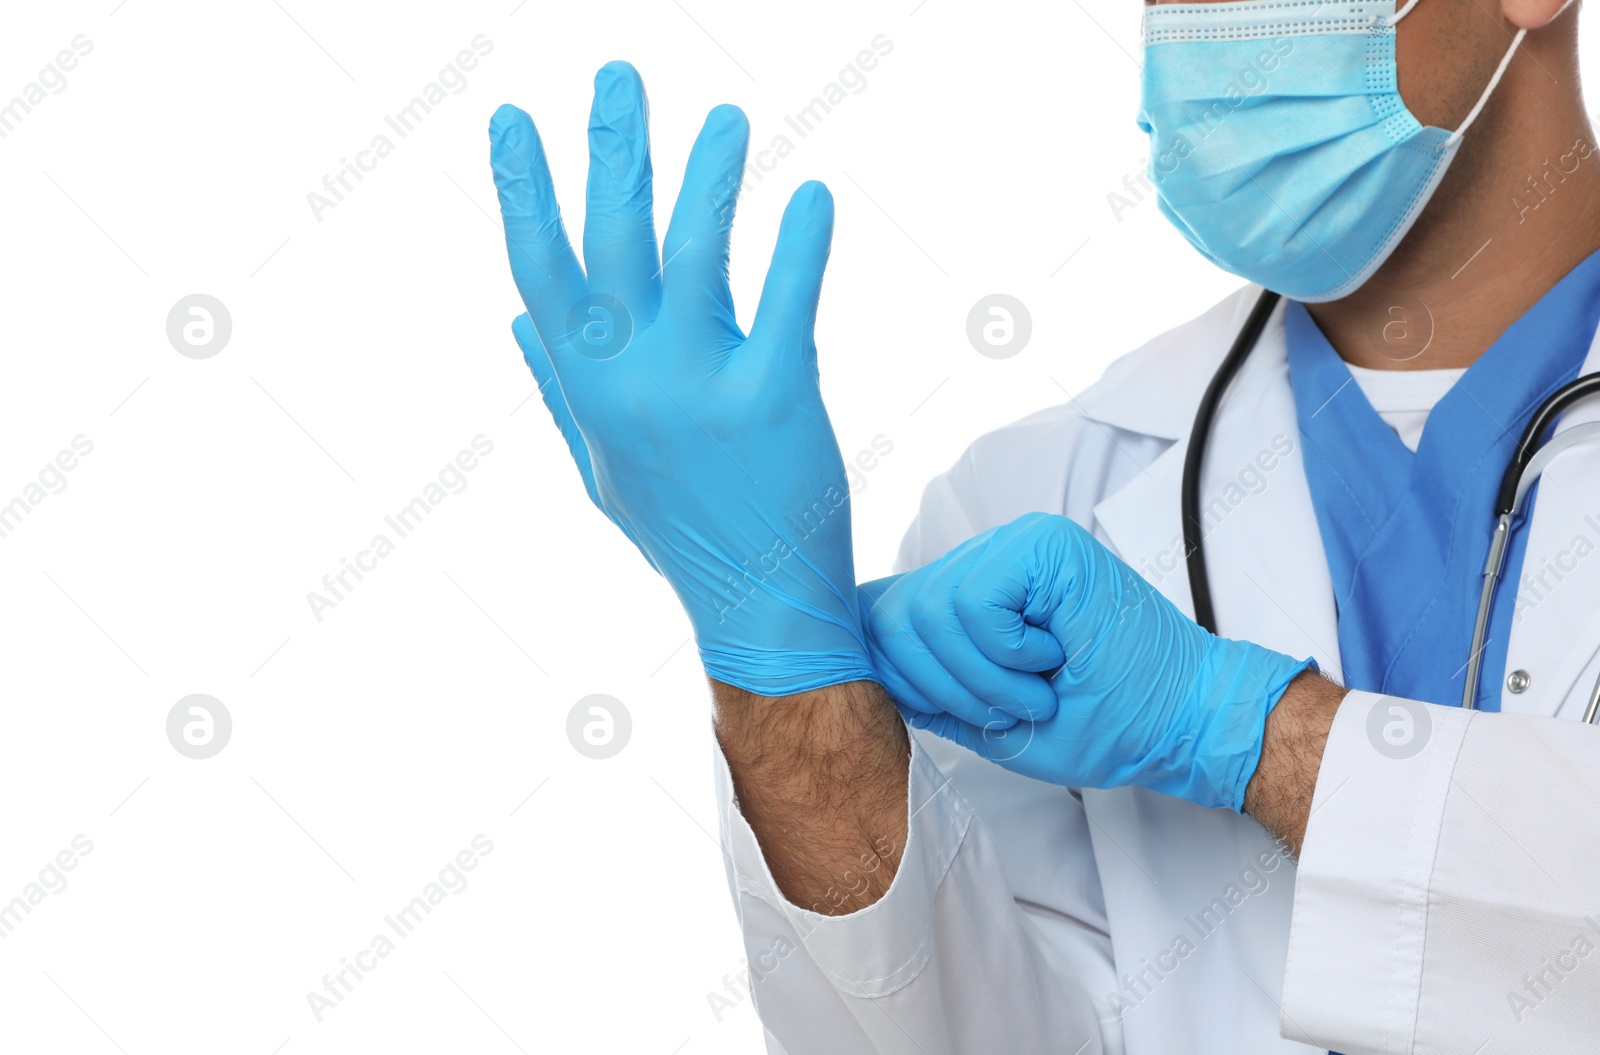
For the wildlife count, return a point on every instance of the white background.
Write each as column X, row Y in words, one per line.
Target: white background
column 369, row 346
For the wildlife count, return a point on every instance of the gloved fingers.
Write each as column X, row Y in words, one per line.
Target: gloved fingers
column 995, row 742
column 544, row 375
column 1021, row 693
column 1004, row 605
column 788, row 310
column 924, row 682
column 555, row 401
column 543, row 265
column 867, row 593
column 900, row 689
column 619, row 230
column 694, row 258
column 935, row 722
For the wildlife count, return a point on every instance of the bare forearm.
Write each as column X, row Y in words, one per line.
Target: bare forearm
column 1279, row 795
column 821, row 778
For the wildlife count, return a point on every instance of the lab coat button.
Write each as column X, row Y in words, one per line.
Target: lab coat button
column 1517, row 681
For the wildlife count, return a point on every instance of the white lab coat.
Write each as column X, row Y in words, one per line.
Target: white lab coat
column 1431, row 891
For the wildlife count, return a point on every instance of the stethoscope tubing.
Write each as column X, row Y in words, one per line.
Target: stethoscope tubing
column 1513, row 488
column 1194, row 458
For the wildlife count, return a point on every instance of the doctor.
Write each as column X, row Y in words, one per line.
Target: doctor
column 1111, row 831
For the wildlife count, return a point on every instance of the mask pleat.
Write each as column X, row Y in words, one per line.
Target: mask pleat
column 1280, row 147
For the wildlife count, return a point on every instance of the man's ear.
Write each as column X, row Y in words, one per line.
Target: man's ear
column 1532, row 14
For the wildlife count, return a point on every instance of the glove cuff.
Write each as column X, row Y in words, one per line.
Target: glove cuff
column 786, row 673
column 1240, row 684
column 775, row 644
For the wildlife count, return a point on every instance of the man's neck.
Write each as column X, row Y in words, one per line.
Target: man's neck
column 1518, row 210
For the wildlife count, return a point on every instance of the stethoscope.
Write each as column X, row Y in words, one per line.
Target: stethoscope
column 1527, row 463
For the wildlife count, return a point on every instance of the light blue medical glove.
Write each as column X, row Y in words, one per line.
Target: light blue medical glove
column 1145, row 697
column 927, row 662
column 710, row 450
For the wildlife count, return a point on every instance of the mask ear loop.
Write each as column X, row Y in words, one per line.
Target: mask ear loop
column 1483, row 100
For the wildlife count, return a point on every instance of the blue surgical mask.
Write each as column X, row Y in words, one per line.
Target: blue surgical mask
column 1279, row 144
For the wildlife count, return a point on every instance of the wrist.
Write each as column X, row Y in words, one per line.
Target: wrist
column 1280, row 789
column 783, row 673
column 1238, row 687
column 797, row 758
column 771, row 647
column 821, row 779
column 758, row 732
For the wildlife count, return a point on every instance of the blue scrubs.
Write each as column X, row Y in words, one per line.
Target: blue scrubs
column 1406, row 534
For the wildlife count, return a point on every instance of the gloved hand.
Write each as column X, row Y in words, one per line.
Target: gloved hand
column 927, row 662
column 1143, row 696
column 710, row 450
